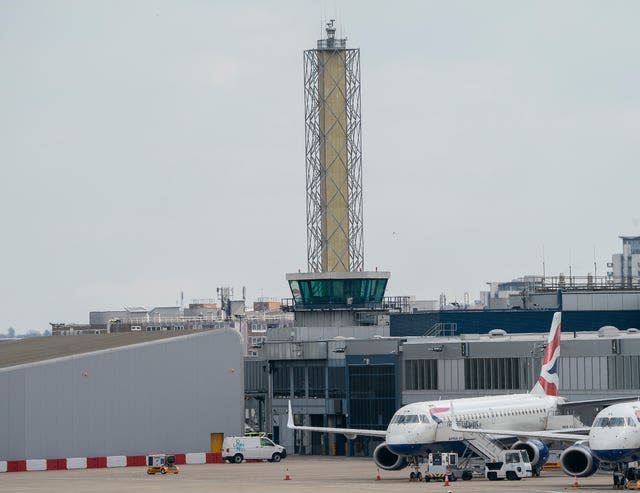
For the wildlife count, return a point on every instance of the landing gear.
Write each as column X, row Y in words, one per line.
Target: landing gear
column 415, row 462
column 619, row 476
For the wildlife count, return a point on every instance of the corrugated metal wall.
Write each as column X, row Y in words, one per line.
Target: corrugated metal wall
column 255, row 377
column 166, row 395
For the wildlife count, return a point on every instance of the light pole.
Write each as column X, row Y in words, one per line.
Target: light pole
column 535, row 352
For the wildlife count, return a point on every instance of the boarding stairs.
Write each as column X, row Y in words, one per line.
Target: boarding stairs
column 485, row 446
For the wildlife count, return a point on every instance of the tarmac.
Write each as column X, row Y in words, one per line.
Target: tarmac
column 307, row 474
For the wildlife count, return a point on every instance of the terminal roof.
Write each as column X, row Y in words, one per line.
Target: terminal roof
column 36, row 349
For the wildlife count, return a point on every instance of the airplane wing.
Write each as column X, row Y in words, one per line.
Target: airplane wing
column 597, row 402
column 350, row 433
column 583, row 429
column 549, row 435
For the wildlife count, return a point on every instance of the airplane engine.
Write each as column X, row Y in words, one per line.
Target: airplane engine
column 537, row 451
column 578, row 460
column 387, row 460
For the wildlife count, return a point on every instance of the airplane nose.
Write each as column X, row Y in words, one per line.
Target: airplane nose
column 413, row 441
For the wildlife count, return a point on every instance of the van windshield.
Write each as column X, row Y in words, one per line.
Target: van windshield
column 265, row 442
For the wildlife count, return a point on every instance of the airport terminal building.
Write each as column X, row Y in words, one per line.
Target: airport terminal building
column 358, row 375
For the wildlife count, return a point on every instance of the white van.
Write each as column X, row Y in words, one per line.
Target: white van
column 237, row 449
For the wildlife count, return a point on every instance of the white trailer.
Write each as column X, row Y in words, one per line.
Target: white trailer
column 444, row 464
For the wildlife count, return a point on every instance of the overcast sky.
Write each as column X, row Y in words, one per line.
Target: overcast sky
column 153, row 147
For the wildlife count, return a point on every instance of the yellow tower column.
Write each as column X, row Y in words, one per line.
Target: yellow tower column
column 334, row 184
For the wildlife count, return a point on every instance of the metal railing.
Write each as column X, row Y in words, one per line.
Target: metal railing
column 442, row 329
column 329, row 303
column 608, row 283
column 332, row 44
column 397, row 303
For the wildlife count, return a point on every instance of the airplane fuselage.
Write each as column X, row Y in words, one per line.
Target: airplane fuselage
column 423, row 427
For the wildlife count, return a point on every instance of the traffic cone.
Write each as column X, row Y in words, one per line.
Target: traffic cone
column 446, row 480
column 575, row 482
column 286, row 476
column 378, row 478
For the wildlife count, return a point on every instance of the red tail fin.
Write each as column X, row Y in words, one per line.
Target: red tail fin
column 548, row 381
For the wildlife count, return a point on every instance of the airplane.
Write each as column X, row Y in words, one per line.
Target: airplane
column 419, row 428
column 614, row 437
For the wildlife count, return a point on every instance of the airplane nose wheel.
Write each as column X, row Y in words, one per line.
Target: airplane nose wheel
column 415, row 476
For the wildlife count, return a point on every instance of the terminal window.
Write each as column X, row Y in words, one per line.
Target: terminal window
column 492, row 373
column 372, row 400
column 421, row 374
column 337, row 384
column 338, row 291
column 623, row 372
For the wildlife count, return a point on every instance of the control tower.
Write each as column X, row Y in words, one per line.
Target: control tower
column 333, row 145
column 335, row 291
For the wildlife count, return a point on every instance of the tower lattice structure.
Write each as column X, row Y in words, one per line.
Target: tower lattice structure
column 333, row 145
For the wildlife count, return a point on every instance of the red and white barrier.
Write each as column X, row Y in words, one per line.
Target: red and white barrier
column 77, row 463
column 36, row 465
column 117, row 461
column 196, row 458
column 102, row 462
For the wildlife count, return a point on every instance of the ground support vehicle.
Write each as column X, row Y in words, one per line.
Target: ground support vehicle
column 512, row 465
column 162, row 463
column 629, row 480
column 441, row 464
column 237, row 449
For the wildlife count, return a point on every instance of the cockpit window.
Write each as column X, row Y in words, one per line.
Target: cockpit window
column 631, row 422
column 609, row 422
column 400, row 419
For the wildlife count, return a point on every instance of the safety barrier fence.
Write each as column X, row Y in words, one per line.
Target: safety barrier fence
column 102, row 462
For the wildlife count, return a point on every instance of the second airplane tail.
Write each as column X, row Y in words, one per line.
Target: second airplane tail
column 548, row 381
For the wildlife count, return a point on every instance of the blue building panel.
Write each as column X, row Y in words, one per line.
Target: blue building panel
column 513, row 321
